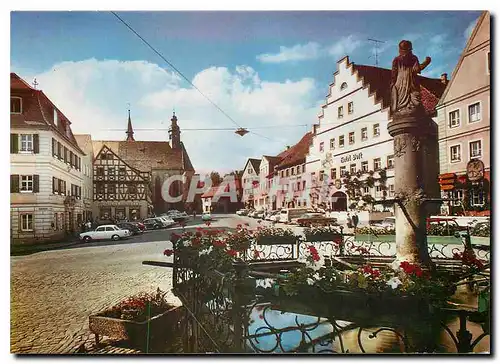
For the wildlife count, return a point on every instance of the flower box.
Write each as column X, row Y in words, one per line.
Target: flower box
column 138, row 334
column 445, row 239
column 375, row 238
column 276, row 240
column 480, row 240
column 324, row 237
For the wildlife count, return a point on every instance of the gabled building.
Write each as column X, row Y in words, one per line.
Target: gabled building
column 130, row 184
column 351, row 137
column 46, row 177
column 250, row 179
column 85, row 143
column 464, row 125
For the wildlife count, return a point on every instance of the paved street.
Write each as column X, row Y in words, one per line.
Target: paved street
column 54, row 292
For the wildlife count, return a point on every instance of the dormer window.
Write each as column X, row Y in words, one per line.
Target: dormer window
column 343, row 86
column 15, row 105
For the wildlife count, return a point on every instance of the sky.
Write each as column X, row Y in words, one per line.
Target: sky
column 268, row 71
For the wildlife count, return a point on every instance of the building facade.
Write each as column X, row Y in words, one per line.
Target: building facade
column 85, row 143
column 129, row 175
column 46, row 168
column 250, row 179
column 464, row 124
column 351, row 158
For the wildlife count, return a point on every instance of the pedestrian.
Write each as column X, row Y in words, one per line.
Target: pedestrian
column 349, row 220
column 355, row 221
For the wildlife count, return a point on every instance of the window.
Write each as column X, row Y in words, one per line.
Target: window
column 56, row 117
column 26, row 183
column 332, row 143
column 390, row 161
column 343, row 171
column 455, row 153
column 364, row 134
column 298, row 169
column 454, row 118
column 333, row 173
column 366, row 190
column 287, row 173
column 343, row 86
column 391, row 190
column 321, row 175
column 122, row 172
column 54, row 147
column 298, row 186
column 376, row 130
column 250, row 170
column 376, row 164
column 111, row 171
column 353, row 168
column 474, row 112
column 341, row 141
column 378, row 191
column 111, row 189
column 26, row 222
column 100, row 171
column 321, row 146
column 351, row 138
column 15, row 105
column 350, row 107
column 458, row 196
column 475, row 149
column 477, row 197
column 26, row 142
column 59, row 150
column 364, row 166
column 293, row 171
column 340, row 114
column 303, row 185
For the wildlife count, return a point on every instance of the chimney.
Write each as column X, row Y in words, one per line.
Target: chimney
column 444, row 78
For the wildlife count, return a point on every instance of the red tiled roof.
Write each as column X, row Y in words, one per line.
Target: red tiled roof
column 213, row 190
column 378, row 81
column 296, row 154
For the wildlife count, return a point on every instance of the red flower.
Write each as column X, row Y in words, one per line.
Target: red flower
column 367, row 269
column 218, row 243
column 198, row 234
column 232, row 252
column 375, row 273
column 199, row 229
column 208, row 223
column 261, row 317
column 174, row 237
column 256, row 253
column 168, row 252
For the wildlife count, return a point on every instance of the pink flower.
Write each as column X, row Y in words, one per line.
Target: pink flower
column 168, row 252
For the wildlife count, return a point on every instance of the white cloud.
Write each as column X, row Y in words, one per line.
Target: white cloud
column 299, row 52
column 94, row 95
column 469, row 29
column 344, row 46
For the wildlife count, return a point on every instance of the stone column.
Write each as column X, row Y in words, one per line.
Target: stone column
column 410, row 133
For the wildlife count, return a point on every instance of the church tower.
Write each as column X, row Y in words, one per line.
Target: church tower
column 130, row 131
column 174, row 133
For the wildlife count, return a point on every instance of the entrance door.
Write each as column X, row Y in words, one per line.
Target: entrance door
column 339, row 201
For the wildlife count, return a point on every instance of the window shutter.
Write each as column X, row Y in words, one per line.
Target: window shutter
column 65, row 155
column 14, row 143
column 54, row 147
column 36, row 183
column 59, row 147
column 36, row 143
column 14, row 183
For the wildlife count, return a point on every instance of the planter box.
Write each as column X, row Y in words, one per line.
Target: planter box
column 375, row 238
column 276, row 240
column 480, row 240
column 447, row 239
column 136, row 333
column 324, row 237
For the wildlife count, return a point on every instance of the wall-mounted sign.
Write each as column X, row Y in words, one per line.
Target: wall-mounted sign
column 351, row 157
column 475, row 170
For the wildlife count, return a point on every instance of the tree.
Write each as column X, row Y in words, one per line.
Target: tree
column 237, row 174
column 216, row 178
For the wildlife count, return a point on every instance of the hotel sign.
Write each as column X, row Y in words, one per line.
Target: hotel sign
column 351, row 157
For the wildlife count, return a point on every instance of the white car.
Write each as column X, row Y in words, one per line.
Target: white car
column 167, row 221
column 105, row 232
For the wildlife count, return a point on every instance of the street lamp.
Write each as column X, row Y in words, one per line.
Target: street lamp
column 241, row 131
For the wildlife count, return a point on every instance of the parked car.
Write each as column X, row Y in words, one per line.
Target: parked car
column 105, row 232
column 258, row 215
column 270, row 214
column 251, row 212
column 387, row 223
column 314, row 218
column 153, row 223
column 286, row 215
column 206, row 217
column 139, row 224
column 167, row 221
column 134, row 229
column 275, row 217
column 242, row 212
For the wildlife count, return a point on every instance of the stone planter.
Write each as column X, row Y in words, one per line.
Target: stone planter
column 276, row 240
column 139, row 334
column 375, row 238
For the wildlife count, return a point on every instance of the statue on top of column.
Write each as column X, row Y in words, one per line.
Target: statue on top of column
column 405, row 85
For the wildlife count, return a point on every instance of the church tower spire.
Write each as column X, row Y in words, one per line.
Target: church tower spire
column 130, row 131
column 175, row 133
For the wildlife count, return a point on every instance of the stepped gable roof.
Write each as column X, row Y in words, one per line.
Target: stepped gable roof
column 378, row 81
column 37, row 112
column 295, row 154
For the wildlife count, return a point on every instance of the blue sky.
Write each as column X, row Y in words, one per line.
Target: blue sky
column 262, row 68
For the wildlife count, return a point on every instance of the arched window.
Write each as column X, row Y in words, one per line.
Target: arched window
column 343, row 86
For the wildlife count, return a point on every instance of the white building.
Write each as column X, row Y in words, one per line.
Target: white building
column 46, row 170
column 250, row 177
column 352, row 136
column 85, row 143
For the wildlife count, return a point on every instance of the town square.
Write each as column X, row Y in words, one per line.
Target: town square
column 250, row 182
